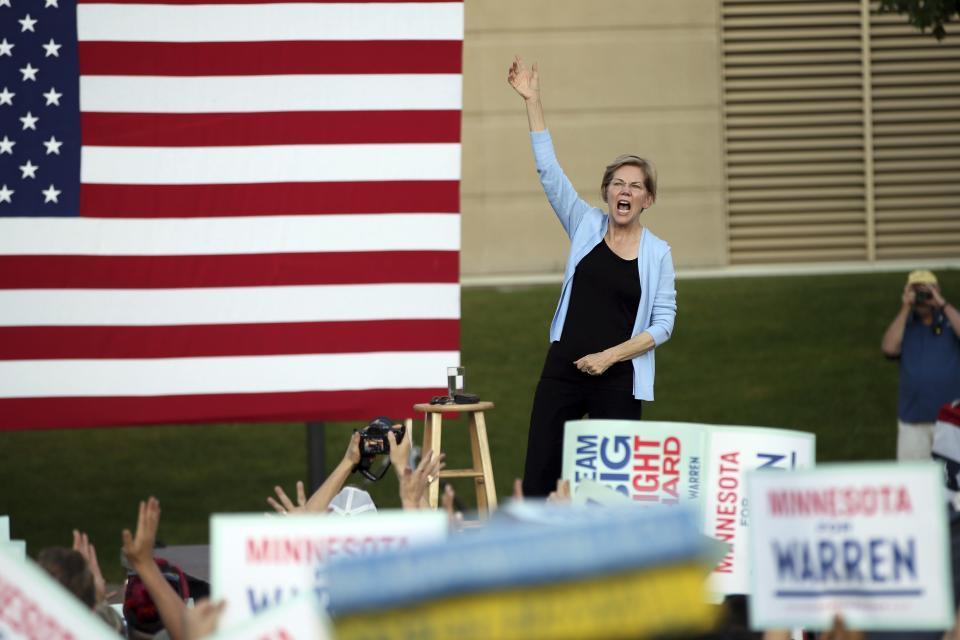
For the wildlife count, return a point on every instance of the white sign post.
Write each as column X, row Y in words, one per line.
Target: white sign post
column 257, row 562
column 868, row 541
column 34, row 605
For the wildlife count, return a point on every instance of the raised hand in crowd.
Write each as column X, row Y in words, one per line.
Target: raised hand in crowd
column 400, row 451
column 138, row 550
column 448, row 500
column 321, row 498
column 82, row 544
column 400, row 461
column 415, row 482
column 201, row 621
column 518, row 489
column 839, row 631
column 285, row 506
column 562, row 493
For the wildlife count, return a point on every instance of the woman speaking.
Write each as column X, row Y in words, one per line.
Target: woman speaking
column 617, row 304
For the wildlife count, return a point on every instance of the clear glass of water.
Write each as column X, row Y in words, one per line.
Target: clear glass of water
column 455, row 380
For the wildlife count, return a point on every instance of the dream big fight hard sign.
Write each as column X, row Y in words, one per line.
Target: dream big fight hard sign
column 695, row 464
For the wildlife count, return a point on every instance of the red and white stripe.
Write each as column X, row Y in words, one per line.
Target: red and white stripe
column 269, row 219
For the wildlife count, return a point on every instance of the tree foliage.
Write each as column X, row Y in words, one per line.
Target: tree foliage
column 925, row 14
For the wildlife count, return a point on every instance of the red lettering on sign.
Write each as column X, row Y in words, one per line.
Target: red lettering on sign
column 656, row 470
column 725, row 521
column 24, row 616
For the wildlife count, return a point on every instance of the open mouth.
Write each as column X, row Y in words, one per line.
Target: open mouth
column 623, row 206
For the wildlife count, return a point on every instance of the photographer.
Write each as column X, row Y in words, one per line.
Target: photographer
column 413, row 481
column 924, row 338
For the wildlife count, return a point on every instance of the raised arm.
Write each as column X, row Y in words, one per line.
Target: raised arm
column 138, row 549
column 892, row 340
column 566, row 203
column 526, row 82
column 322, row 497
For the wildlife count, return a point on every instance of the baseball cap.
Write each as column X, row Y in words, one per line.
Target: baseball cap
column 351, row 501
column 921, row 276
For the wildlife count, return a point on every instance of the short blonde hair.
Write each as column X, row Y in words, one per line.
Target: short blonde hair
column 649, row 174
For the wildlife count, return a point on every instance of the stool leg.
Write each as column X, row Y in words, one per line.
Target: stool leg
column 431, row 442
column 480, row 452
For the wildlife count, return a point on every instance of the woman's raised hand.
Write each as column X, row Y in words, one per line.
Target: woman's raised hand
column 524, row 81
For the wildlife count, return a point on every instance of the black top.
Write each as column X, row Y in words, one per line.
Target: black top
column 602, row 311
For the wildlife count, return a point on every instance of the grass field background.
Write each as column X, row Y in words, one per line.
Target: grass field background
column 793, row 352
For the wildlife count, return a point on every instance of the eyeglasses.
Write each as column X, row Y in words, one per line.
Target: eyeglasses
column 634, row 186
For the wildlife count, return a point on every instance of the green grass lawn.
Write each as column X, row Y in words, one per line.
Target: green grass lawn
column 793, row 352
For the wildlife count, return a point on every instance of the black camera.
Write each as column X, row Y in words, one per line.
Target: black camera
column 373, row 437
column 373, row 442
column 921, row 296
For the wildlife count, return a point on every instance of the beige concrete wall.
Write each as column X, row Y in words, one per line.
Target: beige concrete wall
column 617, row 76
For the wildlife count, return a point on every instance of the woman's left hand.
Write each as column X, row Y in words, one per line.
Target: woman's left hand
column 595, row 364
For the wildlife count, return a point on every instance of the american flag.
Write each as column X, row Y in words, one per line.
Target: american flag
column 227, row 211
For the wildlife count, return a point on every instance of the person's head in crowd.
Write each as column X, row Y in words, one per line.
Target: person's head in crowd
column 139, row 610
column 69, row 568
column 351, row 501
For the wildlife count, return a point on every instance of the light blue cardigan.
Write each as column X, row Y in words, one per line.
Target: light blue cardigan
column 586, row 227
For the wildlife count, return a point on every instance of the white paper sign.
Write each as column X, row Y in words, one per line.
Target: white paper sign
column 733, row 451
column 4, row 528
column 34, row 605
column 260, row 561
column 302, row 618
column 868, row 541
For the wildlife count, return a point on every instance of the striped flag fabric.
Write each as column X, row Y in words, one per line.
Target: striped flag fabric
column 219, row 211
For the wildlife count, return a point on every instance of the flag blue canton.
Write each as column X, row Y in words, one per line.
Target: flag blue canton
column 39, row 108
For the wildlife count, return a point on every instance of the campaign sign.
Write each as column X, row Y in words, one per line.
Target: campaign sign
column 301, row 618
column 258, row 561
column 33, row 606
column 868, row 541
column 731, row 452
column 648, row 462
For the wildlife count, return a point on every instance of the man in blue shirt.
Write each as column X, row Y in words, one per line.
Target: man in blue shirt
column 924, row 338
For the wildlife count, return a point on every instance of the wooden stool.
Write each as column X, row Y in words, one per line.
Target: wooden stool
column 482, row 469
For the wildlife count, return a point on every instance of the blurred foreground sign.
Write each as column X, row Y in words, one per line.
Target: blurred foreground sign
column 33, row 606
column 543, row 572
column 257, row 562
column 867, row 541
column 699, row 465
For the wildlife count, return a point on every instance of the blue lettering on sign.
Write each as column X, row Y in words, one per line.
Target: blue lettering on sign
column 619, row 443
column 693, row 477
column 850, row 560
column 263, row 600
column 773, row 460
column 586, row 467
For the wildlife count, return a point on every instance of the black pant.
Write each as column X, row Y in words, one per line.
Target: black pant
column 555, row 402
